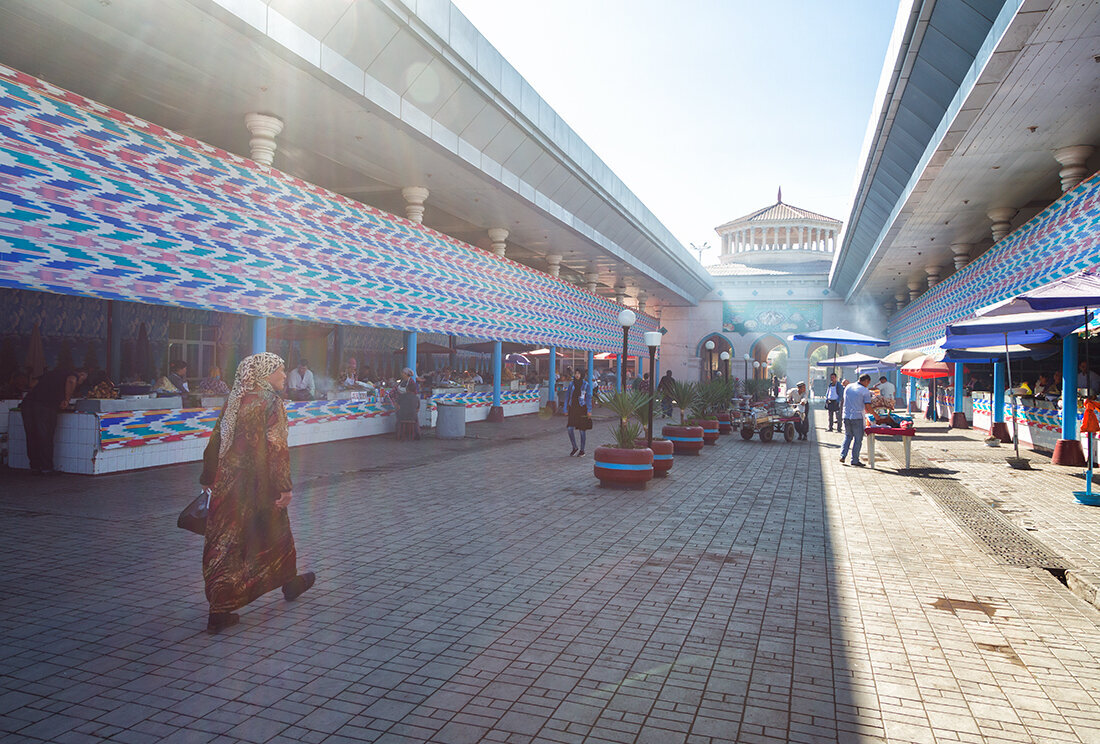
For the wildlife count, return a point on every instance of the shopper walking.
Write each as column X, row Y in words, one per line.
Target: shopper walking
column 857, row 403
column 665, row 388
column 39, row 409
column 833, row 395
column 408, row 406
column 578, row 397
column 249, row 548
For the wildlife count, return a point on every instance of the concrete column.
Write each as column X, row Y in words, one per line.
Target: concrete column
column 1072, row 159
column 410, row 350
column 725, row 244
column 1067, row 450
column 496, row 412
column 414, row 202
column 643, row 297
column 553, row 261
column 900, row 300
column 961, row 254
column 551, row 381
column 591, row 280
column 999, row 429
column 259, row 335
column 933, row 272
column 914, row 290
column 914, row 402
column 498, row 235
column 958, row 416
column 1002, row 221
column 264, row 128
column 592, row 370
column 114, row 340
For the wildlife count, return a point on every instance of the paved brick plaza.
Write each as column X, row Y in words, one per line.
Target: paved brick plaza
column 486, row 590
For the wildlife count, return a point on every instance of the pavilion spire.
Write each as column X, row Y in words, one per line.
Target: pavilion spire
column 779, row 198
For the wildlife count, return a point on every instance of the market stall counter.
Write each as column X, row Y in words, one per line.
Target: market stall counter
column 110, row 436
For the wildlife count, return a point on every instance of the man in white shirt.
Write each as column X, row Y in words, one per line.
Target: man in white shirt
column 857, row 403
column 300, row 384
column 886, row 390
column 1086, row 378
column 832, row 402
column 796, row 398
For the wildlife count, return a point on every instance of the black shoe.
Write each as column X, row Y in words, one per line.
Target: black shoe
column 842, row 460
column 573, row 452
column 580, row 454
column 219, row 621
column 298, row 585
column 857, row 464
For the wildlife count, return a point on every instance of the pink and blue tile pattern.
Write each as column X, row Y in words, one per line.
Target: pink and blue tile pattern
column 99, row 203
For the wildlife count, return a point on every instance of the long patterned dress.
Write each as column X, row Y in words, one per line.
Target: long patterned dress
column 249, row 549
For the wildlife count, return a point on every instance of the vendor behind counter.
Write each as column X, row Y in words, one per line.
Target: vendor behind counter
column 39, row 409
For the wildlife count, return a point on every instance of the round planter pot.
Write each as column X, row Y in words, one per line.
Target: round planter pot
column 686, row 440
column 662, row 455
column 629, row 468
column 710, row 429
column 724, row 425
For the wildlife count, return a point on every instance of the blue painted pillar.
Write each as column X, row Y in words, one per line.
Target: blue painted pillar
column 410, row 350
column 619, row 373
column 496, row 412
column 259, row 335
column 958, row 418
column 1067, row 450
column 913, row 394
column 999, row 429
column 998, row 392
column 655, row 373
column 552, row 380
column 592, row 372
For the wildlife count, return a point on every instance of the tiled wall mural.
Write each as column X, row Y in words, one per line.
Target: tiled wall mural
column 98, row 203
column 1062, row 239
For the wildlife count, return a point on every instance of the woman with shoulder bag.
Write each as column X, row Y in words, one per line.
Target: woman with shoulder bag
column 249, row 549
column 578, row 397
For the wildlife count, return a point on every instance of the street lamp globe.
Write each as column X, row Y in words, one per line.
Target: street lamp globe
column 627, row 318
column 653, row 339
column 724, row 356
column 747, row 357
column 709, row 345
column 756, row 365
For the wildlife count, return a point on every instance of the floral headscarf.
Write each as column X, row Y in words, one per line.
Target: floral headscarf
column 251, row 376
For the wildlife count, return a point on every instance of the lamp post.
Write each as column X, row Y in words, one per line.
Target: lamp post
column 725, row 357
column 755, row 370
column 626, row 320
column 653, row 341
column 747, row 358
column 710, row 357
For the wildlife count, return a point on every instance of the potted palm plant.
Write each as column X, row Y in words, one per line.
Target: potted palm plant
column 702, row 413
column 686, row 439
column 624, row 464
column 725, row 390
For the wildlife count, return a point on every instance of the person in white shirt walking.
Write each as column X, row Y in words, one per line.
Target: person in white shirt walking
column 833, row 395
column 300, row 384
column 857, row 403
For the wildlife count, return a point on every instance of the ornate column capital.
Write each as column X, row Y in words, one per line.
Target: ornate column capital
column 1072, row 159
column 264, row 128
column 961, row 254
column 414, row 197
column 553, row 261
column 1002, row 221
column 498, row 235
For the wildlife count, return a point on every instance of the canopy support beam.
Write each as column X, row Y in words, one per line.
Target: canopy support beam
column 1067, row 450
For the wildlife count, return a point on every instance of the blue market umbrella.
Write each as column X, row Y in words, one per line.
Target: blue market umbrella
column 1079, row 291
column 839, row 336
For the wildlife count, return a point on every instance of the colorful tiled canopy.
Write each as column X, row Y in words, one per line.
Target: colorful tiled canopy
column 98, row 203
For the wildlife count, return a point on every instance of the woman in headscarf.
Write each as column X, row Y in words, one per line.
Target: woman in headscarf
column 408, row 406
column 578, row 401
column 249, row 549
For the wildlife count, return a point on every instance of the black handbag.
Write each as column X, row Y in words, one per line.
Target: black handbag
column 585, row 422
column 193, row 517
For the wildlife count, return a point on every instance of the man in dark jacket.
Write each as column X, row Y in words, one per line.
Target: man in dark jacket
column 39, row 411
column 665, row 388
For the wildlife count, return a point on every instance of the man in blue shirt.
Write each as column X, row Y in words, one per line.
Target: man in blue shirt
column 857, row 402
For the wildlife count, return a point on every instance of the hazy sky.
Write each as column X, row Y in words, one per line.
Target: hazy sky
column 705, row 107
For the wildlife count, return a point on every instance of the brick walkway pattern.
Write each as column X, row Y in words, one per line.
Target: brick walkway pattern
column 488, row 590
